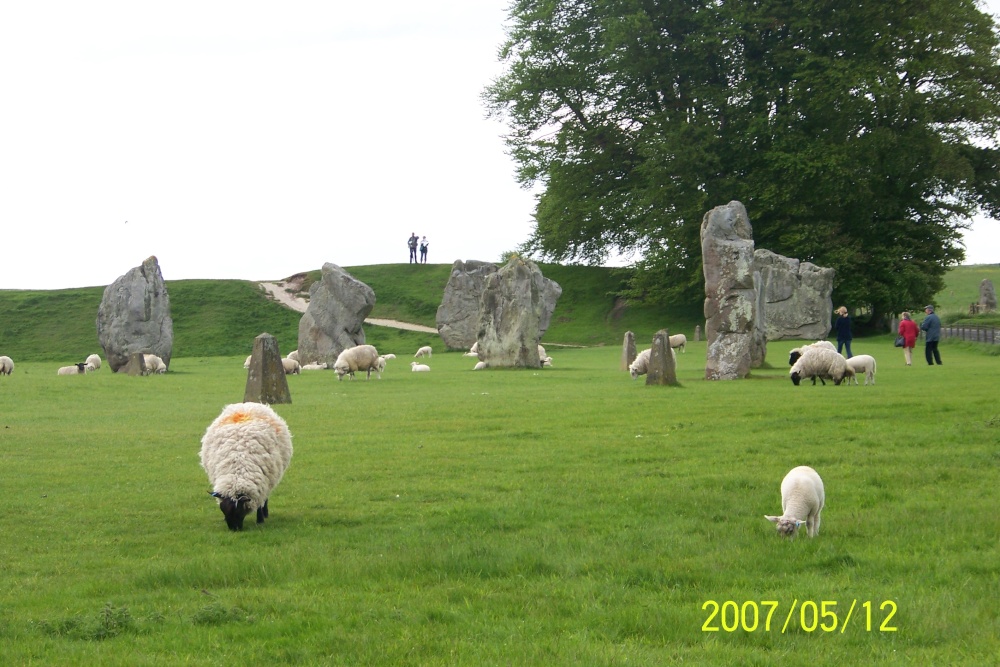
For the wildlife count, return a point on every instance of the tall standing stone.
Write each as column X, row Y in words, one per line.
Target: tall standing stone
column 134, row 316
column 511, row 315
column 987, row 296
column 628, row 351
column 266, row 381
column 727, row 250
column 798, row 296
column 662, row 369
column 333, row 322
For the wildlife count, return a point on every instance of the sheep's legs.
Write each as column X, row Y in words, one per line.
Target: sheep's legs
column 262, row 512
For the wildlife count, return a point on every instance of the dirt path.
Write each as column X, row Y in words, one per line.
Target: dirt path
column 280, row 294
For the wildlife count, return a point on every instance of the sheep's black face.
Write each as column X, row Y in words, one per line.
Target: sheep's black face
column 793, row 357
column 235, row 511
column 796, row 378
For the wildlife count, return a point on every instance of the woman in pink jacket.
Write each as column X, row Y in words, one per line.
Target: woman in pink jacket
column 909, row 331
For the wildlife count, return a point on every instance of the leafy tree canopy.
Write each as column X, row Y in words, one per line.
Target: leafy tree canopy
column 859, row 135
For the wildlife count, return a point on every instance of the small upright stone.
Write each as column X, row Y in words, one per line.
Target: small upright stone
column 136, row 365
column 628, row 351
column 662, row 367
column 987, row 296
column 266, row 381
column 697, row 333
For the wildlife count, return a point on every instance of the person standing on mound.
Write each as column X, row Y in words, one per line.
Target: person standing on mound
column 412, row 243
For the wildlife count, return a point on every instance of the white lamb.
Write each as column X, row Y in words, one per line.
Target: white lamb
column 154, row 364
column 795, row 353
column 425, row 351
column 547, row 361
column 246, row 364
column 245, row 452
column 95, row 361
column 802, row 499
column 641, row 364
column 317, row 366
column 6, row 365
column 541, row 352
column 294, row 354
column 862, row 364
column 290, row 366
column 478, row 367
column 818, row 362
column 75, row 369
column 419, row 368
column 354, row 359
column 679, row 342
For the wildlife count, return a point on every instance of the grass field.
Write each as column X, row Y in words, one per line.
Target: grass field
column 564, row 516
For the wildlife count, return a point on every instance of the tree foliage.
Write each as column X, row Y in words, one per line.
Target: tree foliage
column 859, row 135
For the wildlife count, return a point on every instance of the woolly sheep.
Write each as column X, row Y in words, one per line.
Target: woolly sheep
column 291, row 366
column 797, row 352
column 819, row 363
column 95, row 361
column 154, row 364
column 318, row 366
column 246, row 364
column 475, row 348
column 547, row 361
column 863, row 364
column 6, row 365
column 389, row 356
column 75, row 369
column 541, row 352
column 354, row 359
column 679, row 341
column 245, row 453
column 419, row 368
column 641, row 364
column 802, row 499
column 294, row 354
column 425, row 351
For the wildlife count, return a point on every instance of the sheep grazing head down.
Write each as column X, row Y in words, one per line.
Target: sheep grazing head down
column 234, row 510
column 786, row 526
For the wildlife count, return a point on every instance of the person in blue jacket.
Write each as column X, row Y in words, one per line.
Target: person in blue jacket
column 843, row 327
column 931, row 326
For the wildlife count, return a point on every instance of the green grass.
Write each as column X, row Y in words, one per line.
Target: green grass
column 564, row 516
column 961, row 289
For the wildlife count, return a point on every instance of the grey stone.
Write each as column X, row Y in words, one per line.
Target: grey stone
column 987, row 296
column 266, row 381
column 730, row 298
column 511, row 315
column 628, row 351
column 459, row 315
column 797, row 296
column 134, row 316
column 136, row 365
column 332, row 323
column 697, row 333
column 662, row 369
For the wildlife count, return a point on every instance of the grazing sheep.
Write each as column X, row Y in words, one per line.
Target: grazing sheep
column 862, row 363
column 819, row 363
column 547, row 361
column 679, row 341
column 95, row 361
column 246, row 364
column 802, row 499
column 318, row 366
column 425, row 351
column 6, row 365
column 245, row 453
column 294, row 354
column 541, row 352
column 389, row 356
column 354, row 359
column 797, row 352
column 154, row 364
column 419, row 368
column 641, row 364
column 478, row 367
column 290, row 366
column 75, row 369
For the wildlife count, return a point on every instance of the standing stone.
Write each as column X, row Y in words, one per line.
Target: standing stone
column 338, row 306
column 266, row 381
column 697, row 333
column 662, row 368
column 798, row 296
column 460, row 313
column 730, row 299
column 758, row 341
column 987, row 296
column 511, row 315
column 134, row 316
column 136, row 365
column 628, row 351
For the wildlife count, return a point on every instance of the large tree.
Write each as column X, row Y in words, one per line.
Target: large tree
column 859, row 135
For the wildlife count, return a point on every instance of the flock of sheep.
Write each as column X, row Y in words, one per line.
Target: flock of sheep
column 154, row 364
column 821, row 360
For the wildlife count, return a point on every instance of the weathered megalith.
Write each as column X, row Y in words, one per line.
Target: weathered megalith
column 730, row 299
column 987, row 296
column 134, row 316
column 459, row 315
column 511, row 315
column 338, row 306
column 136, row 365
column 628, row 351
column 798, row 296
column 758, row 341
column 662, row 369
column 266, row 381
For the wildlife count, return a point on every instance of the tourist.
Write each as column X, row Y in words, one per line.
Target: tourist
column 843, row 327
column 412, row 243
column 931, row 326
column 423, row 250
column 909, row 331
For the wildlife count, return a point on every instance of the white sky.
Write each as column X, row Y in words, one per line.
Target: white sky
column 255, row 139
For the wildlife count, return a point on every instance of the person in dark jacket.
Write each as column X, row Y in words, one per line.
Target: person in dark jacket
column 843, row 327
column 931, row 326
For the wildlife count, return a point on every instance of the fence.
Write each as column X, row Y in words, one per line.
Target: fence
column 972, row 334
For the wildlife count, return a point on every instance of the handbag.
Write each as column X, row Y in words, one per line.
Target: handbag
column 899, row 341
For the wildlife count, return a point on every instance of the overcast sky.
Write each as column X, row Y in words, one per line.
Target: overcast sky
column 255, row 140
